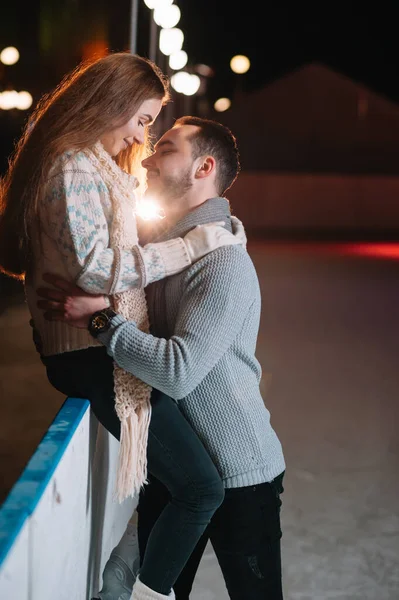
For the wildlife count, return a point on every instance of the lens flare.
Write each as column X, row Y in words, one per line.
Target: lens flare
column 149, row 210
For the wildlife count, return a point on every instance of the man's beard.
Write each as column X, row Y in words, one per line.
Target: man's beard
column 175, row 188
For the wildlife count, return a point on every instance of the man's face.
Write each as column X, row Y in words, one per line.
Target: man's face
column 170, row 170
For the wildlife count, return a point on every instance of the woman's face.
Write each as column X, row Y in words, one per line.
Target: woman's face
column 132, row 132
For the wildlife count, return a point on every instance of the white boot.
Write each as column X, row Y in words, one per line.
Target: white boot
column 142, row 592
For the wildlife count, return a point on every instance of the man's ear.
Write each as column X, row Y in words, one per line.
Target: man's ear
column 206, row 167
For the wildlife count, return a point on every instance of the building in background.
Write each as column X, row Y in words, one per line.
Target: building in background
column 319, row 156
column 316, row 120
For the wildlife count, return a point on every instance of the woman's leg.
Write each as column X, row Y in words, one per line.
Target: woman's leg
column 87, row 374
column 178, row 459
column 153, row 499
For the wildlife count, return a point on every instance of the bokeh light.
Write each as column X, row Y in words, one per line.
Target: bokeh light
column 8, row 99
column 24, row 101
column 167, row 16
column 240, row 64
column 204, row 70
column 222, row 104
column 178, row 60
column 185, row 83
column 9, row 56
column 170, row 40
column 11, row 99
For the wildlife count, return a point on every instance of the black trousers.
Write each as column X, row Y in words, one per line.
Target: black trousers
column 245, row 534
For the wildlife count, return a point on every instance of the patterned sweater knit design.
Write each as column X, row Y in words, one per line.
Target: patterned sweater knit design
column 74, row 242
column 201, row 352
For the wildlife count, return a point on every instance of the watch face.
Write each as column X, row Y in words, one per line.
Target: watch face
column 99, row 322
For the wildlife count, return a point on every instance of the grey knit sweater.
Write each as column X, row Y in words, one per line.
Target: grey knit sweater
column 201, row 352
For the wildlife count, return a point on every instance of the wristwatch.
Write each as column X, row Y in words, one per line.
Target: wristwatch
column 100, row 321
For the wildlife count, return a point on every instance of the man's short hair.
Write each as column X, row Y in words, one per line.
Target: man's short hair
column 216, row 140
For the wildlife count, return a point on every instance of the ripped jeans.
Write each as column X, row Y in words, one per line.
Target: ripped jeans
column 245, row 534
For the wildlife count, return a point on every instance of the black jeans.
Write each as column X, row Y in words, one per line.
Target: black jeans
column 245, row 534
column 176, row 457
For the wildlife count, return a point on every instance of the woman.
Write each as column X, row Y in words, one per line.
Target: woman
column 67, row 207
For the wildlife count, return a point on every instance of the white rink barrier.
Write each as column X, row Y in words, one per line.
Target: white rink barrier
column 61, row 520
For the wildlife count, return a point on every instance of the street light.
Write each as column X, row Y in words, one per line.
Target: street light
column 8, row 99
column 222, row 104
column 24, row 101
column 11, row 99
column 193, row 86
column 204, row 70
column 240, row 64
column 178, row 60
column 170, row 40
column 167, row 16
column 9, row 56
column 185, row 83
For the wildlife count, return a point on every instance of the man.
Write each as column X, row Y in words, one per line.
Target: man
column 201, row 352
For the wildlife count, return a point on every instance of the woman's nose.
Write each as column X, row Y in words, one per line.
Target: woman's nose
column 139, row 137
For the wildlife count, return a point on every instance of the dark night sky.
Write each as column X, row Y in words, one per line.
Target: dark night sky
column 359, row 41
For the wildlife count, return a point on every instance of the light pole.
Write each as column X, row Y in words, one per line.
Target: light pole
column 153, row 41
column 134, row 9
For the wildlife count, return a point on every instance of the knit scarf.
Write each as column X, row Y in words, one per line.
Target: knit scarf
column 132, row 396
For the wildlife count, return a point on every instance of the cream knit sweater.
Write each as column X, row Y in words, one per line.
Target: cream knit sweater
column 74, row 242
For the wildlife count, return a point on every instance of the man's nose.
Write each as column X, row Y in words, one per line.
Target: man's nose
column 146, row 163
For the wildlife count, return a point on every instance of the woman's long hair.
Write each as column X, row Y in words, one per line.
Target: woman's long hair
column 93, row 99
